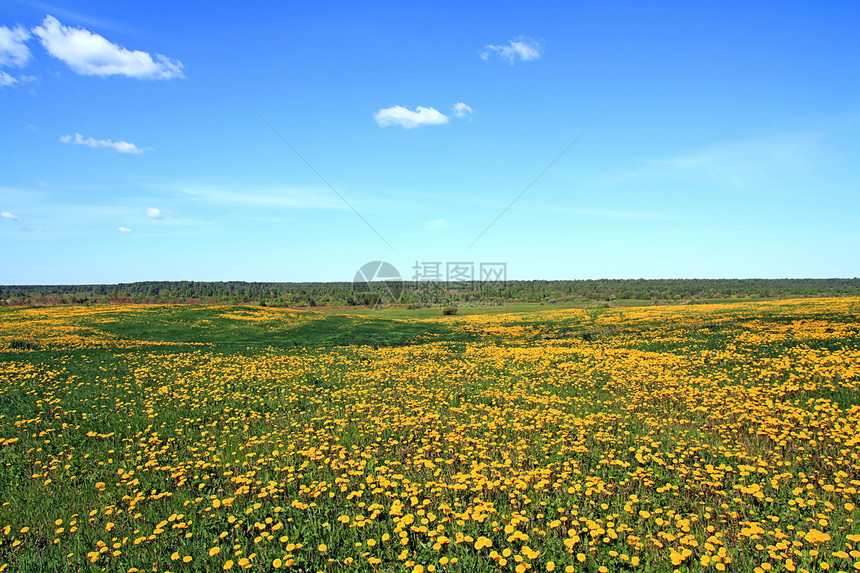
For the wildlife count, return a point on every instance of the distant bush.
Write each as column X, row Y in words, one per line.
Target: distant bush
column 449, row 310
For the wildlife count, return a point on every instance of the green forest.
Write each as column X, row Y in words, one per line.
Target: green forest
column 421, row 294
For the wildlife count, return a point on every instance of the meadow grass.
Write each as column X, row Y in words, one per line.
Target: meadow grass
column 720, row 437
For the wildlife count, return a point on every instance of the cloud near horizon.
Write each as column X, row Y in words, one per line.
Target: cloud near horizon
column 521, row 48
column 90, row 54
column 120, row 146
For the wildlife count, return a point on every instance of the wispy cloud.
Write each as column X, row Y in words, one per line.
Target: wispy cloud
column 154, row 213
column 619, row 214
column 80, row 17
column 521, row 49
column 123, row 229
column 10, row 216
column 436, row 224
column 13, row 53
column 90, row 54
column 120, row 146
column 462, row 110
column 7, row 80
column 408, row 119
column 59, row 213
column 742, row 163
column 257, row 196
column 13, row 49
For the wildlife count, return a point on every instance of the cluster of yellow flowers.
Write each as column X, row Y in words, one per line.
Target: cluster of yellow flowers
column 707, row 437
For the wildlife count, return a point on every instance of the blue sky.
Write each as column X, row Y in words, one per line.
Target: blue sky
column 153, row 142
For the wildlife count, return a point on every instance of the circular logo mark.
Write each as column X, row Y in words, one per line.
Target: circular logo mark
column 377, row 284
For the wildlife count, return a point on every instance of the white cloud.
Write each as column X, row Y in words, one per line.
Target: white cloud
column 408, row 119
column 90, row 54
column 154, row 213
column 462, row 110
column 13, row 53
column 123, row 229
column 120, row 146
column 7, row 80
column 10, row 216
column 13, row 50
column 436, row 224
column 522, row 49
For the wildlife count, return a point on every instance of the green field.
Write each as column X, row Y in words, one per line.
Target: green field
column 720, row 437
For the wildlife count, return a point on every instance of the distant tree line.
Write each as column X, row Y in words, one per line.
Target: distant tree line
column 345, row 294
